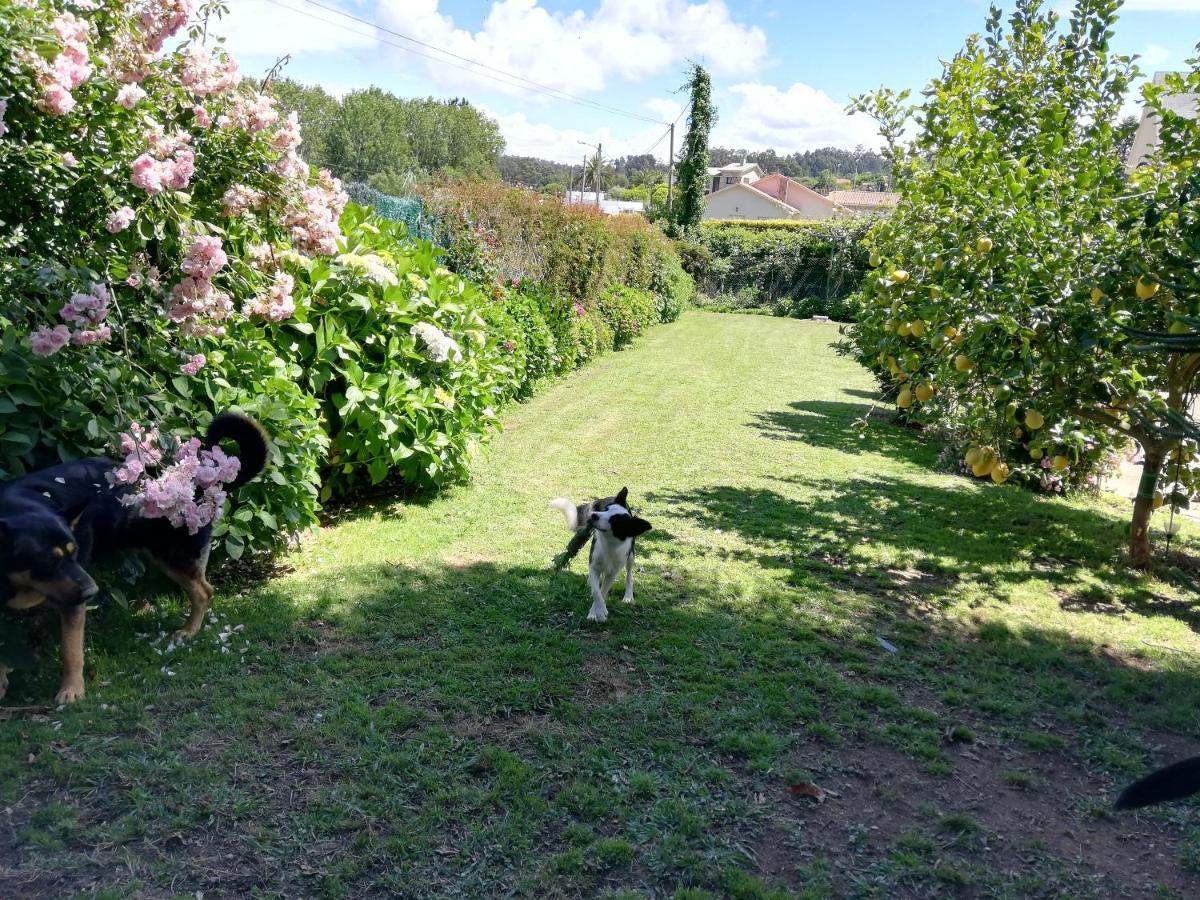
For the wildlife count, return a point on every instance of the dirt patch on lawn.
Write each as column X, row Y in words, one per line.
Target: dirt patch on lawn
column 1000, row 817
column 605, row 681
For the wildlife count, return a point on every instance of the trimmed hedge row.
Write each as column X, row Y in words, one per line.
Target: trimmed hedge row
column 795, row 269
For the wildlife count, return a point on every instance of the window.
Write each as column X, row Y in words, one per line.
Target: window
column 716, row 185
column 729, row 179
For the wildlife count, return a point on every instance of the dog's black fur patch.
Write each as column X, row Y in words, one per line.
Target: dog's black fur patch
column 1173, row 782
column 624, row 526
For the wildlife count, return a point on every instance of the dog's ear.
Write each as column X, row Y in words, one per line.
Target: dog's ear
column 639, row 526
column 623, row 497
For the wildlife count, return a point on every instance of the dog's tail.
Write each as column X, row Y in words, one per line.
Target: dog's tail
column 569, row 510
column 1171, row 783
column 251, row 442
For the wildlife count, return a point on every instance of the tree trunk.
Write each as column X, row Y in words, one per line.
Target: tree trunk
column 1143, row 509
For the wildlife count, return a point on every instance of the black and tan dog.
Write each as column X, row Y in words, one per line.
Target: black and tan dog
column 57, row 521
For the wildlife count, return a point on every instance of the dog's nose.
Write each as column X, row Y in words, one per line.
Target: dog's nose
column 89, row 592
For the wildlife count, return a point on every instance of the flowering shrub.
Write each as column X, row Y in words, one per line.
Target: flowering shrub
column 165, row 254
column 130, row 290
column 177, row 481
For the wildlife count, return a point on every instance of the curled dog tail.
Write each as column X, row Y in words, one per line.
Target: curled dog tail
column 251, row 441
column 569, row 510
column 1171, row 783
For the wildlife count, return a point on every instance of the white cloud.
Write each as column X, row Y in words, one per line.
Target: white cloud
column 1155, row 55
column 799, row 118
column 1162, row 6
column 260, row 28
column 580, row 52
column 525, row 138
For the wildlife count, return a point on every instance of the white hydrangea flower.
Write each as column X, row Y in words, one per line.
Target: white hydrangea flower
column 371, row 266
column 439, row 346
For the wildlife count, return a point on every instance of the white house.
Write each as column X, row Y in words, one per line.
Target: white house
column 607, row 206
column 734, row 173
column 773, row 197
column 1145, row 139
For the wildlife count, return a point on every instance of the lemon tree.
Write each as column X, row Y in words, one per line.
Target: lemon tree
column 1010, row 249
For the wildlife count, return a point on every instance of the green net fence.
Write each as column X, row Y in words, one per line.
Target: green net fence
column 409, row 210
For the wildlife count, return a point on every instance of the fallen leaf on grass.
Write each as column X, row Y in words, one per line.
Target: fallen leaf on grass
column 806, row 789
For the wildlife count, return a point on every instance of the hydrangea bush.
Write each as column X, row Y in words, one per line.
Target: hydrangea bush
column 166, row 253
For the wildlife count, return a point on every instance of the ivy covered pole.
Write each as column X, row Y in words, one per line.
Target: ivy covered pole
column 693, row 167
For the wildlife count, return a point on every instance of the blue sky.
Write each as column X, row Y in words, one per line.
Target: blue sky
column 782, row 71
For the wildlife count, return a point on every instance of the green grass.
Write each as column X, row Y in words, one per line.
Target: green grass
column 418, row 707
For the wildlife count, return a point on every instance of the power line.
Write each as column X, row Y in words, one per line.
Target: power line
column 510, row 79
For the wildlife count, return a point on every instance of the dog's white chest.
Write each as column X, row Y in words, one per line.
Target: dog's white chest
column 609, row 554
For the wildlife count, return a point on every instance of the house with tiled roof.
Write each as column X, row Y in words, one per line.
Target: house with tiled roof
column 863, row 203
column 735, row 173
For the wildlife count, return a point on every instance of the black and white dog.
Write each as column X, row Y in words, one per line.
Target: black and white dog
column 614, row 531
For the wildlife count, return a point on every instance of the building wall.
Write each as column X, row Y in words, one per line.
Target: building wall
column 744, row 204
column 810, row 205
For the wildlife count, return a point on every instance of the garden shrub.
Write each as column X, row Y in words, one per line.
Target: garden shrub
column 494, row 233
column 166, row 254
column 803, row 269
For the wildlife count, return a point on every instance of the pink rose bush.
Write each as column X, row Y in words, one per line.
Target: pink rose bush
column 181, row 482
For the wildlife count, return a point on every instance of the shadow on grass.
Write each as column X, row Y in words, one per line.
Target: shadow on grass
column 847, row 427
column 411, row 709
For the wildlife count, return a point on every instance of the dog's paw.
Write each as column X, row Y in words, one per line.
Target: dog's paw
column 185, row 634
column 69, row 693
column 628, row 598
column 597, row 615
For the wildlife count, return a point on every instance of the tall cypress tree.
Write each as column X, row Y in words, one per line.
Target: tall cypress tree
column 693, row 166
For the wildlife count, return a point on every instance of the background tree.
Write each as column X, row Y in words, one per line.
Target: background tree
column 376, row 137
column 1126, row 130
column 1005, row 286
column 693, row 166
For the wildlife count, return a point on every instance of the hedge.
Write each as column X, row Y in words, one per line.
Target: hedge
column 795, row 269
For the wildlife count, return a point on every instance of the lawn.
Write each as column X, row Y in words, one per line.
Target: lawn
column 414, row 704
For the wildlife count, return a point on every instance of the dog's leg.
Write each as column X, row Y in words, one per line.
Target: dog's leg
column 198, row 590
column 3, row 680
column 628, row 598
column 599, row 610
column 71, row 688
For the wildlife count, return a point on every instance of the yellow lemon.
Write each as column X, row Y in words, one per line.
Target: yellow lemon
column 950, row 331
column 1097, row 295
column 959, row 338
column 875, row 260
column 999, row 473
column 1145, row 289
column 904, row 329
column 899, row 276
column 905, row 400
column 1034, row 419
column 925, row 392
column 983, row 245
column 935, row 291
column 939, row 264
column 1059, row 463
column 974, row 455
column 983, row 468
column 1158, row 500
column 1037, row 454
column 917, row 328
column 963, row 363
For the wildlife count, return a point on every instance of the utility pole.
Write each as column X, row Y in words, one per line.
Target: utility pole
column 583, row 180
column 599, row 171
column 670, row 172
column 570, row 184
